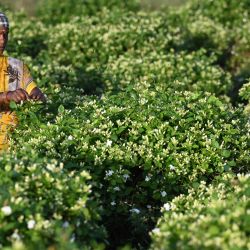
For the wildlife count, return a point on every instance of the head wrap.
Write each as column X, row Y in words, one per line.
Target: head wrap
column 4, row 22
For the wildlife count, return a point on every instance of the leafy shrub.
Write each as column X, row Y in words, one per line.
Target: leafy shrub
column 113, row 55
column 55, row 11
column 228, row 12
column 231, row 20
column 44, row 205
column 181, row 71
column 94, row 44
column 245, row 95
column 27, row 36
column 212, row 216
column 141, row 147
column 245, row 92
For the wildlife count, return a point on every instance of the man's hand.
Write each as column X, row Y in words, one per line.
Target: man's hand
column 37, row 94
column 17, row 96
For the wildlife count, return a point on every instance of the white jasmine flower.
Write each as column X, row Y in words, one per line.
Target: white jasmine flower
column 135, row 210
column 167, row 206
column 15, row 236
column 125, row 176
column 72, row 239
column 31, row 224
column 163, row 193
column 65, row 224
column 6, row 210
column 149, row 206
column 113, row 203
column 116, row 188
column 70, row 138
column 109, row 173
column 172, row 167
column 147, row 178
column 156, row 230
column 109, row 143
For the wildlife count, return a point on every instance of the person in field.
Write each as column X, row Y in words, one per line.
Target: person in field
column 16, row 84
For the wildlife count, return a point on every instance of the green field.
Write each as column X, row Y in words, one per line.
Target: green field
column 144, row 140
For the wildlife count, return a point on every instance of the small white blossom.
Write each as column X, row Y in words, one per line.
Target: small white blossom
column 31, row 224
column 147, row 178
column 65, row 224
column 6, row 210
column 135, row 210
column 125, row 176
column 163, row 193
column 149, row 206
column 70, row 138
column 109, row 143
column 113, row 203
column 167, row 206
column 109, row 173
column 73, row 238
column 117, row 189
column 172, row 167
column 15, row 236
column 156, row 230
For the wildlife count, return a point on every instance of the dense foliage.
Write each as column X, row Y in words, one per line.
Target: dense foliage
column 42, row 204
column 212, row 216
column 56, row 11
column 142, row 107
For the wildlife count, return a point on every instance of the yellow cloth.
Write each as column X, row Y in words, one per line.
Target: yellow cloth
column 13, row 75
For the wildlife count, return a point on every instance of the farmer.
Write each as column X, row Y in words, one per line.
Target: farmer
column 16, row 84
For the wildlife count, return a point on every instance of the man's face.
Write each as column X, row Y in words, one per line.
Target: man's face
column 3, row 38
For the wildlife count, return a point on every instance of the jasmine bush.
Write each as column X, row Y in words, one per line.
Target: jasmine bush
column 142, row 147
column 214, row 216
column 53, row 12
column 245, row 95
column 43, row 205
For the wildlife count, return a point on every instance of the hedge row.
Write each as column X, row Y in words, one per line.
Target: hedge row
column 43, row 205
column 212, row 216
column 111, row 49
column 142, row 147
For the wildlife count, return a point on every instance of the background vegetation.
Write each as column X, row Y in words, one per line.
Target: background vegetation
column 30, row 6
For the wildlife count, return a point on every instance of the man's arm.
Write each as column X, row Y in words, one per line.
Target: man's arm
column 16, row 96
column 37, row 94
column 30, row 87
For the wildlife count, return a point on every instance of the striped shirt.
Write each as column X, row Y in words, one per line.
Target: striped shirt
column 14, row 74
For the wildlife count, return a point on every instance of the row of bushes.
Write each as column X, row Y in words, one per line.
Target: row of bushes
column 214, row 216
column 43, row 205
column 113, row 48
column 142, row 148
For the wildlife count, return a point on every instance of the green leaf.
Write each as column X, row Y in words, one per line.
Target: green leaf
column 195, row 185
column 120, row 130
column 215, row 144
column 61, row 109
column 232, row 163
column 114, row 137
column 226, row 153
column 226, row 168
column 13, row 105
column 213, row 230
